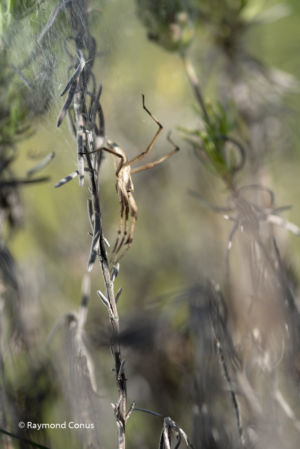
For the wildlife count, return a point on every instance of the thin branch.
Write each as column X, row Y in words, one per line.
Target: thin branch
column 225, row 370
column 150, row 412
column 41, row 164
column 24, row 440
column 192, row 77
column 89, row 159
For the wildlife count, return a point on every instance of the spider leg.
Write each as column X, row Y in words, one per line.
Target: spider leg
column 126, row 225
column 128, row 242
column 105, row 149
column 116, row 245
column 134, row 215
column 130, row 207
column 158, row 161
column 149, row 147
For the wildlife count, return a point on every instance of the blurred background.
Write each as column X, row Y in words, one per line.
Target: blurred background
column 183, row 291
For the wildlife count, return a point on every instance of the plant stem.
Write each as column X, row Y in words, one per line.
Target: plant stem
column 192, row 77
column 87, row 147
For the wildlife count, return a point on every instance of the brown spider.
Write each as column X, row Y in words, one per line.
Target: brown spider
column 125, row 187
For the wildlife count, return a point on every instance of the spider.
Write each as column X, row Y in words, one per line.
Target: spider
column 247, row 215
column 125, row 187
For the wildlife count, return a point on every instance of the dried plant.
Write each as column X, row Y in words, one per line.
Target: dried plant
column 220, row 360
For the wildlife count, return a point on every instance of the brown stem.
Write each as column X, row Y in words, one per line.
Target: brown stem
column 192, row 77
column 86, row 150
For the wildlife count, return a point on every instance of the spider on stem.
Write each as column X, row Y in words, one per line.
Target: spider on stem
column 125, row 187
column 124, row 183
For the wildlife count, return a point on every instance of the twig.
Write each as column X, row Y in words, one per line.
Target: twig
column 169, row 427
column 19, row 182
column 87, row 136
column 215, row 322
column 151, row 412
column 191, row 74
column 41, row 164
column 24, row 440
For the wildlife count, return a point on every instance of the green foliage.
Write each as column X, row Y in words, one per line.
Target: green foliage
column 19, row 8
column 29, row 50
column 225, row 20
column 216, row 9
column 211, row 140
column 14, row 9
column 13, row 111
column 172, row 24
column 169, row 22
column 12, row 96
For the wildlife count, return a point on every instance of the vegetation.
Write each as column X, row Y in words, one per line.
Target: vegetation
column 131, row 312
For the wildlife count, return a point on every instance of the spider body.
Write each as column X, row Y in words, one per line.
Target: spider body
column 123, row 171
column 125, row 187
